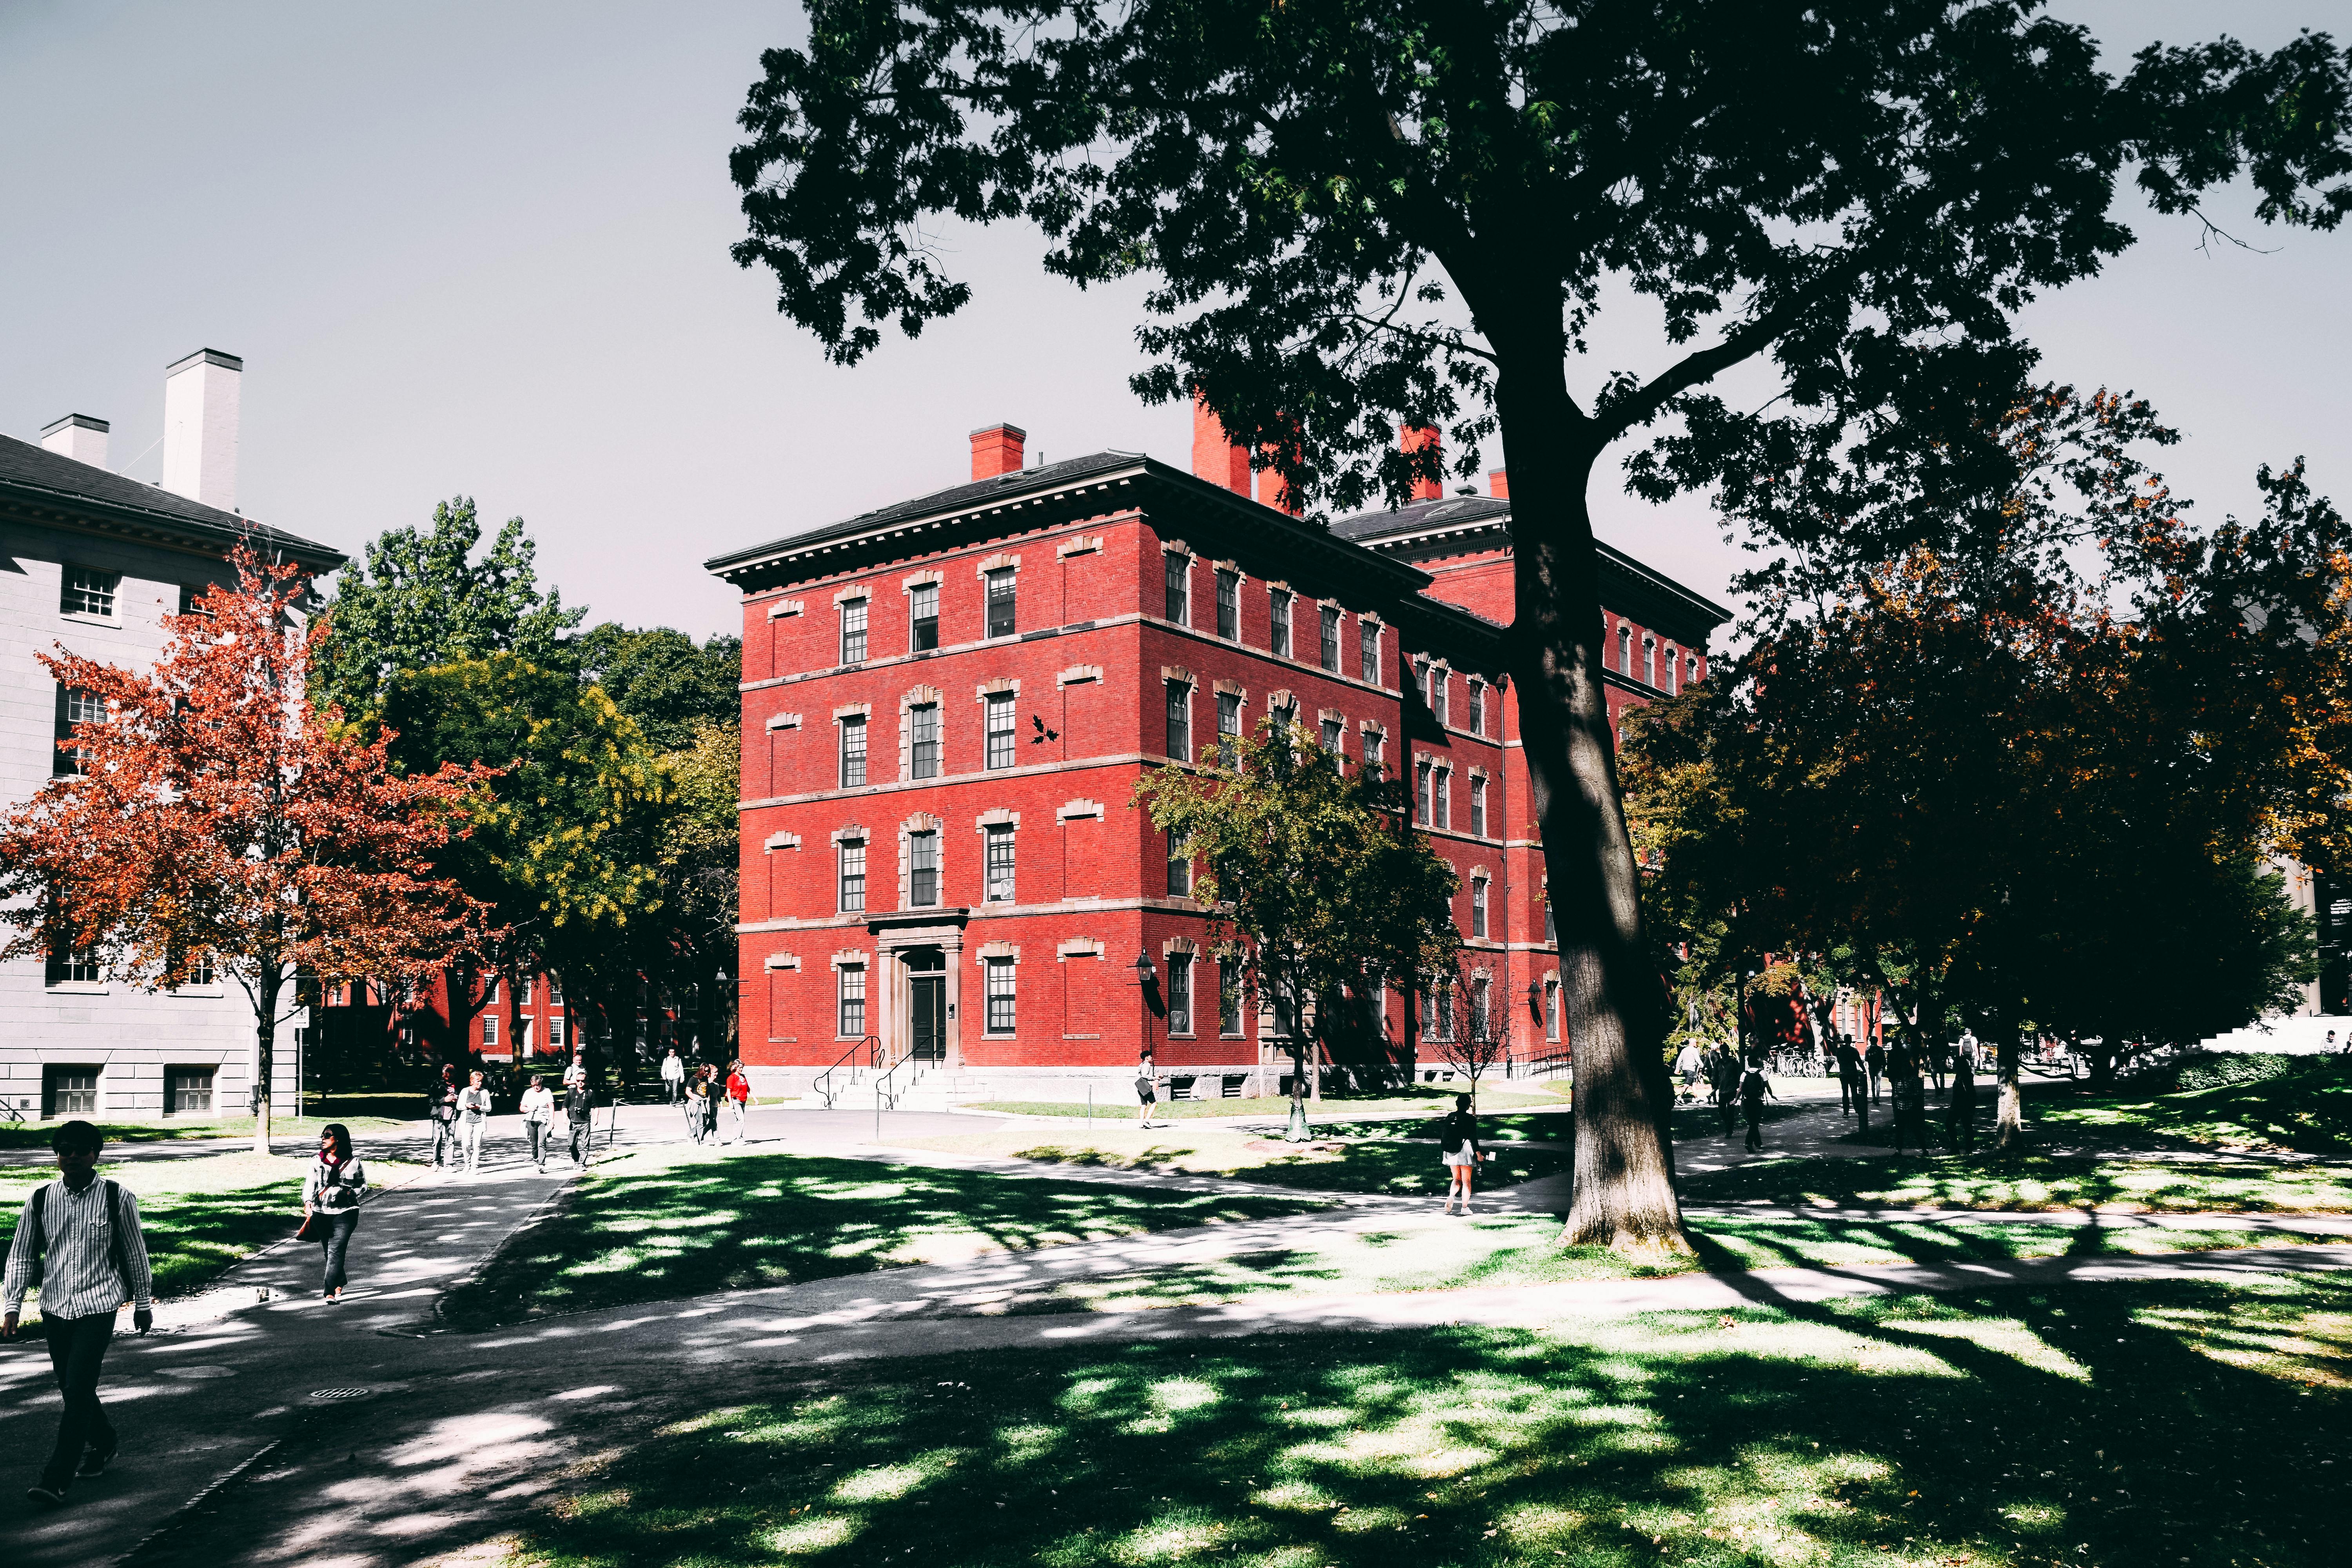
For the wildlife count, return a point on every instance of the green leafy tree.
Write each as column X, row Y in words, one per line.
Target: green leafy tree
column 663, row 679
column 1316, row 879
column 421, row 599
column 1354, row 212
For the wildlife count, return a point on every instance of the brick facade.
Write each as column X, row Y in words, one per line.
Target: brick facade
column 1109, row 612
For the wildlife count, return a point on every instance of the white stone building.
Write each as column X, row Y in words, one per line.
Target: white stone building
column 93, row 560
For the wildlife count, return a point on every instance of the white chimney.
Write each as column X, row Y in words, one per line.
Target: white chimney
column 78, row 436
column 200, row 401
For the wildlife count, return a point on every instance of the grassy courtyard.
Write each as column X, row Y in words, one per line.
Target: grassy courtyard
column 1374, row 1164
column 2123, row 1425
column 2029, row 1181
column 2301, row 1103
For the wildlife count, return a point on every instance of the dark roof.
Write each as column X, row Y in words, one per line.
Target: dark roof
column 33, row 473
column 1448, row 511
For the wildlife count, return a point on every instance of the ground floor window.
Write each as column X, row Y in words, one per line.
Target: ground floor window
column 1180, row 993
column 1000, row 996
column 489, row 1032
column 68, row 1092
column 852, row 1003
column 1229, row 998
column 75, row 969
column 188, row 1091
column 1551, row 1011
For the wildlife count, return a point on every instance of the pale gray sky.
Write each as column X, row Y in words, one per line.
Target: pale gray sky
column 482, row 248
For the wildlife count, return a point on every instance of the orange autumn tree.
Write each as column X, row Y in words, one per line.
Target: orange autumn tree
column 213, row 818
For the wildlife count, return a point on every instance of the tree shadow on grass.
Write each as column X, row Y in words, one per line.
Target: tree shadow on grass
column 191, row 1236
column 1386, row 1166
column 2027, row 1181
column 778, row 1219
column 2105, row 1423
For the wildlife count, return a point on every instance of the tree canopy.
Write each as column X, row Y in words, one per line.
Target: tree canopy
column 663, row 679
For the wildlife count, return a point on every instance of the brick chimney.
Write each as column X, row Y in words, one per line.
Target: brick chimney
column 1277, row 489
column 1216, row 457
column 201, row 395
column 997, row 450
column 78, row 436
column 1498, row 483
column 1413, row 438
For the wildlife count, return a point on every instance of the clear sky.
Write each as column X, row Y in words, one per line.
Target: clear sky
column 482, row 249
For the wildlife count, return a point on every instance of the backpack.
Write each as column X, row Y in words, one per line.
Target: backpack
column 33, row 1217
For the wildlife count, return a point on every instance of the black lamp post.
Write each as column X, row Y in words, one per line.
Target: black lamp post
column 1144, row 975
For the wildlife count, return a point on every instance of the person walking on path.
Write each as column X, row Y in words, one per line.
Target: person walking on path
column 673, row 1077
column 739, row 1098
column 1960, row 1109
column 441, row 1109
column 576, row 1070
column 1754, row 1091
column 331, row 1192
column 1147, row 1091
column 1849, row 1070
column 1874, row 1061
column 1457, row 1149
column 538, row 1120
column 698, row 1106
column 1939, row 1055
column 1726, row 1088
column 1688, row 1067
column 473, row 1115
column 690, row 1106
column 1910, row 1095
column 80, row 1238
column 580, row 1110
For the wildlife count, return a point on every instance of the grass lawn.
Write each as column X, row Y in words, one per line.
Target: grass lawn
column 2098, row 1425
column 2305, row 1105
column 655, row 1225
column 1434, row 1098
column 1382, row 1165
column 36, row 1134
column 2033, row 1181
column 199, row 1215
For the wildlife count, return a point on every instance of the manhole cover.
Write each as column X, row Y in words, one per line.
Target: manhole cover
column 341, row 1393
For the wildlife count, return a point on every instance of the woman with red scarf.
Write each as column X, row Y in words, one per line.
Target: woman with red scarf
column 331, row 1192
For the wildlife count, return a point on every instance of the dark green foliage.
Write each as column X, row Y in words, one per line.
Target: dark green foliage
column 2219, row 1069
column 662, row 679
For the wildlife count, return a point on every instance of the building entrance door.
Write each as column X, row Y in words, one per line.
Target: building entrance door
column 927, row 1004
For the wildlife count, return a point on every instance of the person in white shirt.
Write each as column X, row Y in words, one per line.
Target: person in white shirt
column 538, row 1119
column 673, row 1076
column 79, row 1236
column 473, row 1114
column 577, row 1071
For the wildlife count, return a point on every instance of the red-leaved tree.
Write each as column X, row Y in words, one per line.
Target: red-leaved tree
column 214, row 819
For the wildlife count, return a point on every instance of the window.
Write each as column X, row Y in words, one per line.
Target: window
column 1180, row 993
column 1551, row 1010
column 1480, row 999
column 1669, row 673
column 68, row 1092
column 201, row 973
column 192, row 603
column 923, row 613
column 923, row 869
column 75, row 969
column 1179, row 868
column 1333, row 730
column 1329, row 641
column 1650, row 661
column 1229, row 727
column 89, row 593
column 852, row 631
column 490, row 1031
column 1000, row 995
column 75, row 707
column 555, row 1034
column 853, row 1003
column 1442, row 810
column 1000, row 729
column 1550, row 936
column 1478, row 808
column 1421, row 794
column 188, row 1091
column 1281, row 639
column 1229, row 605
column 1368, row 636
column 924, row 731
column 999, row 867
column 1441, row 682
column 852, row 875
column 554, row 991
column 1286, row 1013
column 853, row 752
column 1437, row 1008
column 1478, row 907
column 1690, row 669
column 1477, row 708
column 1000, row 603
column 1625, row 648
column 1372, row 741
column 1179, row 720
column 490, row 989
column 1229, row 997
column 523, row 990
column 1180, row 588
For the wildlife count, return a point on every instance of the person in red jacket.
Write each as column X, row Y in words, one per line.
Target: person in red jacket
column 738, row 1098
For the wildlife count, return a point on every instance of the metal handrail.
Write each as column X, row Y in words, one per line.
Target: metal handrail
column 828, row 1090
column 886, row 1097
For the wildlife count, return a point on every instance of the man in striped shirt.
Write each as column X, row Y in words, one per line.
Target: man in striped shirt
column 79, row 1237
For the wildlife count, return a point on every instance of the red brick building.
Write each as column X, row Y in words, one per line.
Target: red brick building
column 946, row 704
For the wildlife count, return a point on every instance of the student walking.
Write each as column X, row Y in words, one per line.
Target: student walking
column 690, row 1102
column 332, row 1190
column 1849, row 1065
column 1688, row 1067
column 1910, row 1095
column 1147, row 1091
column 473, row 1115
column 673, row 1077
column 714, row 1090
column 441, row 1111
column 580, row 1110
column 1754, row 1091
column 1874, row 1061
column 739, row 1098
column 1458, row 1150
column 79, row 1237
column 538, row 1120
column 576, row 1070
column 1960, row 1109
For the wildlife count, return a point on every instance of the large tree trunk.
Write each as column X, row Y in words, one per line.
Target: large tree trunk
column 2008, row 1108
column 264, row 1052
column 1624, row 1184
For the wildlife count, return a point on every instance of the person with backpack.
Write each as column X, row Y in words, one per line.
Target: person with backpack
column 473, row 1115
column 739, row 1098
column 1457, row 1149
column 1754, row 1091
column 441, row 1111
column 1960, row 1108
column 538, row 1120
column 332, row 1190
column 79, row 1239
column 579, row 1111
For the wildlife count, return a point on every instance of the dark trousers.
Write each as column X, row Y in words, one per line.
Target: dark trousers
column 1755, row 1129
column 1960, row 1123
column 444, row 1139
column 1849, row 1093
column 581, row 1143
column 335, row 1242
column 77, row 1350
